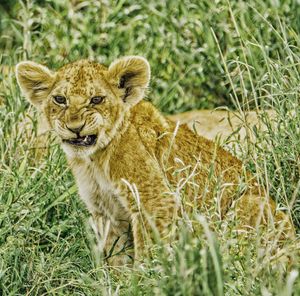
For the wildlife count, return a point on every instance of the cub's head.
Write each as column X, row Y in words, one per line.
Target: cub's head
column 85, row 102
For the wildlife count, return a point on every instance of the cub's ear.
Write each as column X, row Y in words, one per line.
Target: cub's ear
column 132, row 74
column 34, row 80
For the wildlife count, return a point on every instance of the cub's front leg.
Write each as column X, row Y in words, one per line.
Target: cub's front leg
column 143, row 191
column 111, row 221
column 114, row 239
column 153, row 211
column 152, row 222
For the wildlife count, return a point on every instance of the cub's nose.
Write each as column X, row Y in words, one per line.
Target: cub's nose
column 75, row 127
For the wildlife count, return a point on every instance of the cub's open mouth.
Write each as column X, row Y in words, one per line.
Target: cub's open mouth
column 82, row 141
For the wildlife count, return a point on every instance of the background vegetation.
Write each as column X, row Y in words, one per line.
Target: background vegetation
column 203, row 54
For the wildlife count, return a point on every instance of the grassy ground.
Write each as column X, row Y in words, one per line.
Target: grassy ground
column 203, row 54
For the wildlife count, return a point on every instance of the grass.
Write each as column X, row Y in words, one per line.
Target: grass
column 203, row 54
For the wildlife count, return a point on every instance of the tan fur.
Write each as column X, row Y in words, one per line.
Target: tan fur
column 132, row 179
column 223, row 123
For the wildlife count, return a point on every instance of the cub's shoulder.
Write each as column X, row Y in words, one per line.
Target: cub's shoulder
column 145, row 116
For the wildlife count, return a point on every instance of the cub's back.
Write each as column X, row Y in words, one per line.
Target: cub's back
column 184, row 155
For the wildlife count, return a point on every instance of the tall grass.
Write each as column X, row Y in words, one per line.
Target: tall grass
column 203, row 54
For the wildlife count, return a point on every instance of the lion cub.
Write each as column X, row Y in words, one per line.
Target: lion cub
column 131, row 163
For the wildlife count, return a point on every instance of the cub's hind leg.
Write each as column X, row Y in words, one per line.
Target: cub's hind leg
column 255, row 211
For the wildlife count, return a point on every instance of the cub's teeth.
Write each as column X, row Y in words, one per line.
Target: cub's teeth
column 85, row 139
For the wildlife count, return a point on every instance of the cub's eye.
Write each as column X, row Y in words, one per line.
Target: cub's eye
column 97, row 99
column 60, row 100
